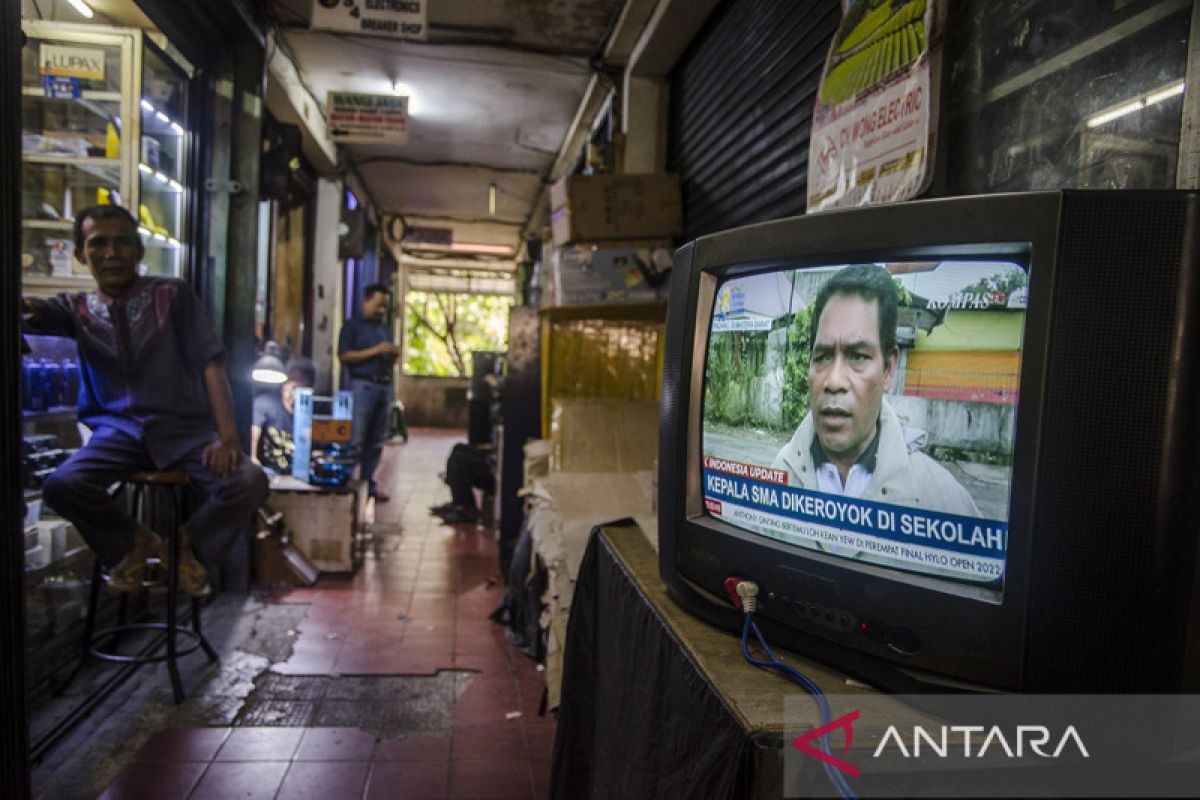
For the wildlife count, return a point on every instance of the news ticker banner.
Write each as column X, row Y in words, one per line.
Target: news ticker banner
column 994, row 745
column 758, row 498
column 875, row 110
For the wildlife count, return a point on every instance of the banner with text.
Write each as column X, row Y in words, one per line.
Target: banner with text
column 401, row 19
column 367, row 118
column 758, row 499
column 875, row 112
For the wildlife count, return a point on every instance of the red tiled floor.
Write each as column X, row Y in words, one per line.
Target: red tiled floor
column 490, row 780
column 335, row 744
column 324, row 780
column 414, row 748
column 183, row 744
column 245, row 780
column 260, row 744
column 495, row 742
column 419, row 604
column 411, row 780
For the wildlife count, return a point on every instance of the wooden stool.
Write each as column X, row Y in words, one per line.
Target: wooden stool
column 145, row 485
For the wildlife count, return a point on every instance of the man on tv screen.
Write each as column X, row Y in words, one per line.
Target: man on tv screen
column 851, row 441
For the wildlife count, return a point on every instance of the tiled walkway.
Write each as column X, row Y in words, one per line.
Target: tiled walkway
column 418, row 606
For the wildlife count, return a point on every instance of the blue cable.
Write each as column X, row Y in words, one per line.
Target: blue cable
column 831, row 772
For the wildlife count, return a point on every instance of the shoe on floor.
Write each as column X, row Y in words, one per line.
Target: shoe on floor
column 456, row 516
column 380, row 497
column 442, row 509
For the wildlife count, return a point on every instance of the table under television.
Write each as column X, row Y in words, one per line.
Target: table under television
column 659, row 703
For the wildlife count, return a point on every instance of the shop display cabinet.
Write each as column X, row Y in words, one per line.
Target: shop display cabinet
column 104, row 120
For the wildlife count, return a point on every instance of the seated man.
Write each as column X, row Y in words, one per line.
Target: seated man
column 271, row 442
column 469, row 467
column 156, row 396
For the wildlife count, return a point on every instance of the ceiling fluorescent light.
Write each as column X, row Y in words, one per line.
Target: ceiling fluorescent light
column 468, row 247
column 1166, row 93
column 1137, row 104
column 82, row 7
column 1116, row 113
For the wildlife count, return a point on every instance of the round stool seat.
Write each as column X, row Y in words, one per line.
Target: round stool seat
column 168, row 477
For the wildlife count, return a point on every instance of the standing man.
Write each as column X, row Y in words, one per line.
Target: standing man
column 155, row 394
column 851, row 442
column 365, row 347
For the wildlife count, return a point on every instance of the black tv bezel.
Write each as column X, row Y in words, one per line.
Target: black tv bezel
column 968, row 639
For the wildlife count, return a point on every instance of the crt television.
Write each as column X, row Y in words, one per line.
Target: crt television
column 997, row 488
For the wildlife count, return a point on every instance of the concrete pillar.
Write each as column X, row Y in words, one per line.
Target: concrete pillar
column 327, row 283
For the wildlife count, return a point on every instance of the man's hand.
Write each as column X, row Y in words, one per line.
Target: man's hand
column 388, row 350
column 221, row 457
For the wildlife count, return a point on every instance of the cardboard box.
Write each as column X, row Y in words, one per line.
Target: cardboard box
column 595, row 208
column 583, row 276
column 322, row 523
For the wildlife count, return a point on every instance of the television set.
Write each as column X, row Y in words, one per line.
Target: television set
column 997, row 489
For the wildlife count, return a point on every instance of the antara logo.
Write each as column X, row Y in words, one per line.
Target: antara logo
column 1031, row 738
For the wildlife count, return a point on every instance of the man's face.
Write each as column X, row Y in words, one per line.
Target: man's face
column 848, row 375
column 112, row 250
column 287, row 393
column 375, row 307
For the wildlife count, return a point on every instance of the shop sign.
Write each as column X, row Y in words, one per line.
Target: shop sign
column 875, row 112
column 401, row 19
column 60, row 88
column 71, row 62
column 353, row 117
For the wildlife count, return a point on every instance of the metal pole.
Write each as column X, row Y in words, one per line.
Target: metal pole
column 14, row 731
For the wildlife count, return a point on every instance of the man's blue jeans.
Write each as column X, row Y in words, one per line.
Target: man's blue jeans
column 372, row 404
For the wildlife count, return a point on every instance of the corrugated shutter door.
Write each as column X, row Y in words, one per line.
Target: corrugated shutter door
column 741, row 111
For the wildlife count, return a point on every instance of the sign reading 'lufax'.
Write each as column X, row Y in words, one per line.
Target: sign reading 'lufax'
column 401, row 19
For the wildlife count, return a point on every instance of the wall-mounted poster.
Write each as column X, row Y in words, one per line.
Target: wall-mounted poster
column 876, row 111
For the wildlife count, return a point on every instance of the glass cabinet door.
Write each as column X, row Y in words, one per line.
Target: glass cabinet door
column 162, row 163
column 75, row 97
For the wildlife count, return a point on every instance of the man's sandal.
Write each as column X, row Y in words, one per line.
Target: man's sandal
column 193, row 579
column 130, row 571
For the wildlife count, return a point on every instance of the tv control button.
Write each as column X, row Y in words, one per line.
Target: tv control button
column 902, row 640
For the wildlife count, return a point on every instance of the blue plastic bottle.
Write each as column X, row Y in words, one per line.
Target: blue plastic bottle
column 27, row 383
column 37, row 384
column 70, row 383
column 54, row 384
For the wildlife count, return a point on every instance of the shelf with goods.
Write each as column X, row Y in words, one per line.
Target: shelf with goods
column 112, row 131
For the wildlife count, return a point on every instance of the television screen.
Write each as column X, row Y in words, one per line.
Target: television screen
column 867, row 411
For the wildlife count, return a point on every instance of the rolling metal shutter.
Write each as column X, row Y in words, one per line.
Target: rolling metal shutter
column 741, row 111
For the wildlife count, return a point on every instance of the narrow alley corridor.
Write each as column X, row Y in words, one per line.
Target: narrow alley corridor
column 397, row 684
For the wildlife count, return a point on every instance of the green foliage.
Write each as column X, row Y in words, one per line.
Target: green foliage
column 795, row 369
column 443, row 328
column 1007, row 282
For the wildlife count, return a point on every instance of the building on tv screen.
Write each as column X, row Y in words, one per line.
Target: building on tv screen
column 867, row 411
